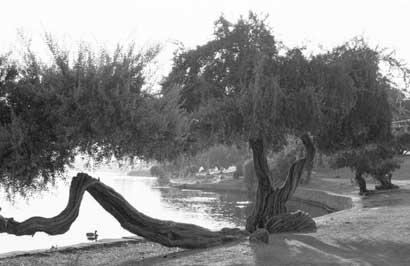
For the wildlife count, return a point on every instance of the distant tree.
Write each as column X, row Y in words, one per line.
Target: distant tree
column 399, row 104
column 157, row 171
column 368, row 122
column 374, row 160
column 221, row 156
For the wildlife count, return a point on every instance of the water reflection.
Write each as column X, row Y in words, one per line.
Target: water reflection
column 222, row 208
column 148, row 195
column 211, row 210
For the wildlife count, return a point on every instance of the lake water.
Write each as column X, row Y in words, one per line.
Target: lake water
column 146, row 194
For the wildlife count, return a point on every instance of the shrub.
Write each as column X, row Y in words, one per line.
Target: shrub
column 239, row 170
column 157, row 171
column 402, row 143
column 221, row 156
column 190, row 170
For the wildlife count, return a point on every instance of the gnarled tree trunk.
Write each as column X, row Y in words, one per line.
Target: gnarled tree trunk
column 273, row 193
column 361, row 182
column 308, row 168
column 307, row 173
column 168, row 233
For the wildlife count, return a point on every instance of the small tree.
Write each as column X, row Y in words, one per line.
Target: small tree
column 374, row 160
column 368, row 122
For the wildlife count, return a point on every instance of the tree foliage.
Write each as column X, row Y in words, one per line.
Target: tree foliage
column 402, row 143
column 238, row 86
column 229, row 85
column 373, row 160
column 82, row 102
column 243, row 86
column 368, row 117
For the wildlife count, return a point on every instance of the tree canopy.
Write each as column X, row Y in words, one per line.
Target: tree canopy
column 243, row 84
column 82, row 102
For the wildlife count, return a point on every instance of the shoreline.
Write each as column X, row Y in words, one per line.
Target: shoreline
column 331, row 227
column 318, row 197
column 106, row 243
column 327, row 200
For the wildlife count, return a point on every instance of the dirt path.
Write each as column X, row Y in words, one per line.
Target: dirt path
column 375, row 232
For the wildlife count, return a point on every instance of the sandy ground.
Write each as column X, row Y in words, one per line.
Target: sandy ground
column 112, row 254
column 376, row 231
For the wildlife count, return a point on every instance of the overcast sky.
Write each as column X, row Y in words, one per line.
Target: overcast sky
column 294, row 22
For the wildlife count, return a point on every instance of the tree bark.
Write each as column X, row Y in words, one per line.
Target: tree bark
column 385, row 182
column 361, row 182
column 320, row 162
column 272, row 192
column 308, row 168
column 167, row 233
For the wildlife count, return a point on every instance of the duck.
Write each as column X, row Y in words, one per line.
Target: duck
column 92, row 236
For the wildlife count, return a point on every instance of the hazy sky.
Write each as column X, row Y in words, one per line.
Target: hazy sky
column 295, row 22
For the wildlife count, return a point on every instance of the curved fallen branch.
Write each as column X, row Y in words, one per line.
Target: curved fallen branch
column 168, row 233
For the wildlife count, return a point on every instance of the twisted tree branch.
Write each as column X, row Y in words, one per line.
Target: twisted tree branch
column 168, row 233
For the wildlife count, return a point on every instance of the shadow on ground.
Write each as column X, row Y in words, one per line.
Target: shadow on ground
column 290, row 249
column 307, row 250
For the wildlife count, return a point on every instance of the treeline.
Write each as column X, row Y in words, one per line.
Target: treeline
column 240, row 87
column 243, row 86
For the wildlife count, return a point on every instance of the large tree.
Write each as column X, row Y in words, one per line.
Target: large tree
column 231, row 89
column 93, row 104
column 241, row 87
column 237, row 87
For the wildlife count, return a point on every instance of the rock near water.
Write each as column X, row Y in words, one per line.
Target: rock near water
column 261, row 235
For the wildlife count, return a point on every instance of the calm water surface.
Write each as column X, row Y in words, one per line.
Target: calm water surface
column 146, row 194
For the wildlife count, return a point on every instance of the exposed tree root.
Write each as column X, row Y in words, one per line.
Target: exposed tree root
column 291, row 222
